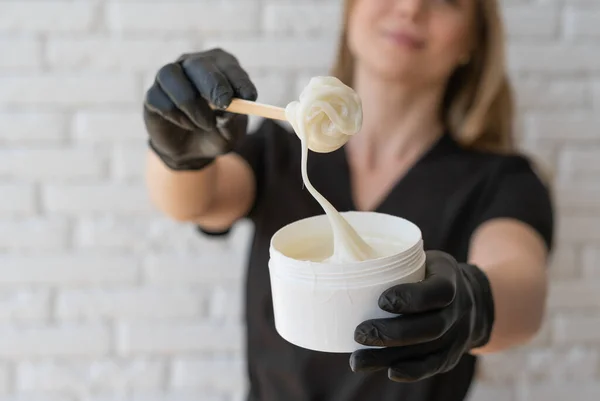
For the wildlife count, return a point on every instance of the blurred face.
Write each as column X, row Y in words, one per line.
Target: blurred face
column 422, row 41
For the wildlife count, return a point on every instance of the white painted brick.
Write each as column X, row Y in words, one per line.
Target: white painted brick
column 33, row 233
column 91, row 340
column 98, row 59
column 128, row 303
column 575, row 294
column 161, row 396
column 62, row 90
column 96, row 198
column 20, row 53
column 539, row 364
column 226, row 302
column 114, row 53
column 279, row 53
column 84, row 378
column 582, row 22
column 580, row 163
column 554, row 58
column 240, row 395
column 542, row 153
column 486, row 392
column 569, row 329
column 198, row 268
column 36, row 397
column 576, row 363
column 111, row 233
column 239, row 239
column 569, row 3
column 109, row 126
column 578, row 228
column 561, row 391
column 67, row 270
column 40, row 16
column 156, row 17
column 500, row 367
column 212, row 374
column 177, row 338
column 543, row 338
column 590, row 261
column 538, row 21
column 129, row 161
column 308, row 17
column 143, row 234
column 564, row 262
column 147, row 81
column 273, row 88
column 31, row 128
column 545, row 94
column 17, row 199
column 565, row 127
column 581, row 195
column 56, row 164
column 5, row 380
column 24, row 305
column 509, row 3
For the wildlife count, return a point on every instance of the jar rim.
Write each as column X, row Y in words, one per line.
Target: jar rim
column 367, row 224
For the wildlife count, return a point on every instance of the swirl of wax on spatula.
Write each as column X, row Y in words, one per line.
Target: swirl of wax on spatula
column 327, row 114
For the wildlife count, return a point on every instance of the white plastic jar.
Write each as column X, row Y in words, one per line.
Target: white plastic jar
column 317, row 305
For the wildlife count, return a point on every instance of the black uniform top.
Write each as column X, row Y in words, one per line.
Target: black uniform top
column 447, row 193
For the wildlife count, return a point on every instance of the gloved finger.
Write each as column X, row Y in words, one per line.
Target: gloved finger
column 240, row 81
column 373, row 359
column 417, row 369
column 159, row 104
column 369, row 360
column 228, row 64
column 182, row 92
column 436, row 291
column 404, row 330
column 210, row 82
column 439, row 262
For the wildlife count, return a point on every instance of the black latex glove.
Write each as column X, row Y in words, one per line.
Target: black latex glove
column 444, row 316
column 184, row 131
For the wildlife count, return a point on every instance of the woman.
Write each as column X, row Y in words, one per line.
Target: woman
column 435, row 148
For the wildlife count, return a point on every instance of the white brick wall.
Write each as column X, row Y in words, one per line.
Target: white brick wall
column 102, row 299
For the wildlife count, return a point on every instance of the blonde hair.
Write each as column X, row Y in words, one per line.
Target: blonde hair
column 478, row 103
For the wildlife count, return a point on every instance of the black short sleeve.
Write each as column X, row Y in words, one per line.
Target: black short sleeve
column 519, row 193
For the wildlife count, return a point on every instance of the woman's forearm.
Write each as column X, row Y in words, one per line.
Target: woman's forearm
column 519, row 299
column 182, row 196
column 513, row 256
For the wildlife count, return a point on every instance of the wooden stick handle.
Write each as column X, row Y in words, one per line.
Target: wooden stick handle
column 241, row 106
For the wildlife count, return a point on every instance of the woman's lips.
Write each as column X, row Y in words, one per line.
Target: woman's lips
column 405, row 39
